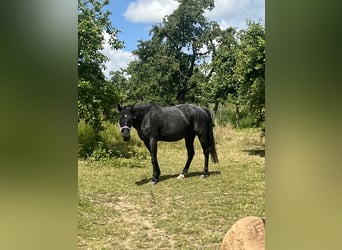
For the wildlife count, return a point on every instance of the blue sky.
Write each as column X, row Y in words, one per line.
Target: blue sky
column 134, row 18
column 131, row 32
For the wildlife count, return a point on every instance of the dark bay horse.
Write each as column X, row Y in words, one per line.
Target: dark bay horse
column 155, row 123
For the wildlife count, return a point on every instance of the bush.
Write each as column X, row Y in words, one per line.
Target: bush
column 86, row 139
column 108, row 143
column 227, row 115
column 247, row 121
column 101, row 152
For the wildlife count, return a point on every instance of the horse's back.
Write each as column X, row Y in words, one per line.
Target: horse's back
column 165, row 123
column 200, row 117
column 175, row 122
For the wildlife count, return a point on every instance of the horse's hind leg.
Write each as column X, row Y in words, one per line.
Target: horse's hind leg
column 206, row 150
column 154, row 161
column 189, row 143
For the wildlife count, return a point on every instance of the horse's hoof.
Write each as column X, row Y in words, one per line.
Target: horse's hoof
column 203, row 176
column 181, row 177
column 154, row 182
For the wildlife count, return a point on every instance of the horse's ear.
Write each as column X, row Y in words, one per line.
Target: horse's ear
column 132, row 106
column 119, row 107
column 131, row 109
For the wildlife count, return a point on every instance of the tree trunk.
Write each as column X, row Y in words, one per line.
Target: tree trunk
column 237, row 116
column 181, row 96
column 216, row 107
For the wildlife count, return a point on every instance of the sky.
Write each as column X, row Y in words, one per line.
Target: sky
column 134, row 18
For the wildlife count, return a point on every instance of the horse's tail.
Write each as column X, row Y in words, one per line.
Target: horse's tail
column 212, row 147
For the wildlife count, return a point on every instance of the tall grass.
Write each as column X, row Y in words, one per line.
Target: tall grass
column 226, row 115
column 108, row 143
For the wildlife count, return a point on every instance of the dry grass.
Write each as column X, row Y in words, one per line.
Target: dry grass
column 120, row 209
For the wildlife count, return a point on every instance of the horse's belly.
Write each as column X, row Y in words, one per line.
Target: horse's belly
column 172, row 136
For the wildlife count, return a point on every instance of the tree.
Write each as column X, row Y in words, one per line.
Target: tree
column 96, row 96
column 120, row 83
column 222, row 81
column 249, row 70
column 239, row 71
column 93, row 23
column 167, row 63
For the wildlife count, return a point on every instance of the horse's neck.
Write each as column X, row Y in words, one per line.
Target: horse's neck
column 139, row 112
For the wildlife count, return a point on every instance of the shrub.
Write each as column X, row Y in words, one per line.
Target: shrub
column 101, row 152
column 86, row 139
column 227, row 116
column 248, row 121
column 108, row 143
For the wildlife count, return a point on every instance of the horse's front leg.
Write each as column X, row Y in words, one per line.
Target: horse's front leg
column 154, row 161
column 147, row 144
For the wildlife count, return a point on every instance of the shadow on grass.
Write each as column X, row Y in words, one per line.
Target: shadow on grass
column 170, row 176
column 260, row 152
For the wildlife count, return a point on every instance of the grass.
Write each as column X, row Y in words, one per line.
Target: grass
column 120, row 209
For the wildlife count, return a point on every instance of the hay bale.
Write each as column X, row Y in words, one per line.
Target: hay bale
column 246, row 234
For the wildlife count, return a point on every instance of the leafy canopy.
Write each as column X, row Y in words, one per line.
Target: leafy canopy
column 167, row 63
column 96, row 96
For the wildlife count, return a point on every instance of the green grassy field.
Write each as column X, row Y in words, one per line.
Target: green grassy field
column 120, row 209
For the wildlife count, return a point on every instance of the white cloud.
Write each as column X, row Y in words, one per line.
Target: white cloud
column 118, row 59
column 234, row 12
column 149, row 10
column 226, row 12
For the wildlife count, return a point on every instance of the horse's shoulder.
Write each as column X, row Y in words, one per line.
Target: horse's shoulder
column 152, row 113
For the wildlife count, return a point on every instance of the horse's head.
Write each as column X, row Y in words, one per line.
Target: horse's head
column 125, row 121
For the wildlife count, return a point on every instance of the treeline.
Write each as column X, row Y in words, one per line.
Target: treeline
column 188, row 59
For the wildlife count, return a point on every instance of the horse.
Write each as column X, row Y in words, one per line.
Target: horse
column 155, row 123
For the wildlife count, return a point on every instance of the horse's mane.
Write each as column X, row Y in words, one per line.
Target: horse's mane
column 142, row 105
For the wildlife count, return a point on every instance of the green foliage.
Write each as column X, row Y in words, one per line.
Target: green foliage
column 86, row 139
column 227, row 115
column 239, row 64
column 96, row 97
column 121, row 84
column 96, row 102
column 167, row 63
column 250, row 70
column 93, row 23
column 224, row 59
column 172, row 67
column 223, row 117
column 108, row 143
column 248, row 121
column 101, row 152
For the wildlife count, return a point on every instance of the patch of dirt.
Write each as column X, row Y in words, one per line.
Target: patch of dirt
column 138, row 224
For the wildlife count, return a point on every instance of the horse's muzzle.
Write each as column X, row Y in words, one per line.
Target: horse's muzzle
column 125, row 135
column 126, row 138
